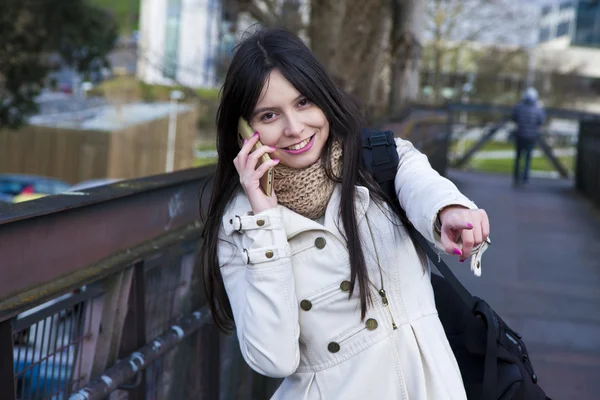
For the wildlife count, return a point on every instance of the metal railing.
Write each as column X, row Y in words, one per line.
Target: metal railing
column 101, row 295
column 47, row 346
column 588, row 161
column 427, row 129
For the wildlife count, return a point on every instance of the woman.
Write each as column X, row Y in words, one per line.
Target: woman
column 321, row 279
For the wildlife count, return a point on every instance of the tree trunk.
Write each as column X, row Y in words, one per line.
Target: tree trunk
column 347, row 36
column 324, row 30
column 291, row 16
column 362, row 45
column 406, row 44
column 437, row 70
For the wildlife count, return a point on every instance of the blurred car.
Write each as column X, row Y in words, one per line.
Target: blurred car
column 20, row 187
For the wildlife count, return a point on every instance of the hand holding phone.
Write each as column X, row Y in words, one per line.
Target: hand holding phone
column 246, row 132
column 255, row 168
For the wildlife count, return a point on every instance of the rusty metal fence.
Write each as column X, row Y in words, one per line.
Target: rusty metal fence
column 100, row 298
column 427, row 129
column 47, row 343
column 588, row 161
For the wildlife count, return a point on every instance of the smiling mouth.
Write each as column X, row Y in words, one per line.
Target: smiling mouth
column 301, row 145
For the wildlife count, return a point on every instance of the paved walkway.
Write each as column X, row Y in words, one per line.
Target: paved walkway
column 542, row 275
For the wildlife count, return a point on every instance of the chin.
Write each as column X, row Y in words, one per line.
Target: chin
column 301, row 162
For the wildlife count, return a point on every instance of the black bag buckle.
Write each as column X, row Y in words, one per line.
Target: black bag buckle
column 379, row 143
column 378, row 139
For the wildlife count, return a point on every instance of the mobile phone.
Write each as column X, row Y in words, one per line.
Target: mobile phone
column 246, row 132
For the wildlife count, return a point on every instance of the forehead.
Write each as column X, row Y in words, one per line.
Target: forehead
column 277, row 89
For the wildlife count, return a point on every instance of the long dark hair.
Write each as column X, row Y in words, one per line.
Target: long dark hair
column 256, row 56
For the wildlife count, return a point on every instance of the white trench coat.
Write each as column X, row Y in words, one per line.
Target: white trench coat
column 287, row 280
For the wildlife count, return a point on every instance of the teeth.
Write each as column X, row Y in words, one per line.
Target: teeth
column 300, row 145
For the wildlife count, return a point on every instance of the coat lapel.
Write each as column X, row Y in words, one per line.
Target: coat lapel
column 295, row 223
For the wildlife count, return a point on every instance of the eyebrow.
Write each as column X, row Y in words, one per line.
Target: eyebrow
column 263, row 109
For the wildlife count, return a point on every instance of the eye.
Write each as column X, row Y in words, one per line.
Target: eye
column 303, row 102
column 267, row 116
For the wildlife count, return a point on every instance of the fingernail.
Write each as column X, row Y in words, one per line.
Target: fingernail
column 457, row 252
column 255, row 134
column 273, row 147
column 245, row 140
column 470, row 225
column 276, row 159
column 462, row 261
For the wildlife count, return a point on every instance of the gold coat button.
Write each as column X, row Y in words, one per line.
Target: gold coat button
column 305, row 305
column 345, row 286
column 269, row 254
column 320, row 242
column 333, row 347
column 371, row 324
column 260, row 222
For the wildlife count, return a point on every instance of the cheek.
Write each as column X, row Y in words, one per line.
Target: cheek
column 269, row 134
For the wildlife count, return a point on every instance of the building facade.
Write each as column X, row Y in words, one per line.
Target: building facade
column 587, row 24
column 577, row 21
column 179, row 42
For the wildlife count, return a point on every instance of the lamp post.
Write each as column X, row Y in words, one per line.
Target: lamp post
column 175, row 96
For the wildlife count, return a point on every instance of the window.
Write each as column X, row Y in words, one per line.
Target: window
column 172, row 38
column 546, row 10
column 544, row 34
column 566, row 5
column 587, row 28
column 562, row 29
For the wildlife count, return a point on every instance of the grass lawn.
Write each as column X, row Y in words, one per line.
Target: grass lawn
column 489, row 146
column 201, row 162
column 206, row 147
column 505, row 165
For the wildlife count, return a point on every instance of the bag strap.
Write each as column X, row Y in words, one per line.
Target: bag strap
column 446, row 272
column 381, row 160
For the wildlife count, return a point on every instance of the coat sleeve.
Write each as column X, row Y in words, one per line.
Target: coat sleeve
column 422, row 192
column 541, row 117
column 255, row 261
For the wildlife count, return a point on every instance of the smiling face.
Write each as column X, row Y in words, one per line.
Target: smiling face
column 284, row 118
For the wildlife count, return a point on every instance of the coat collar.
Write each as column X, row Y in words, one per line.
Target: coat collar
column 295, row 223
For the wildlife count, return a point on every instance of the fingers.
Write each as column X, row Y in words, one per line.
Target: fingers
column 468, row 241
column 485, row 225
column 471, row 227
column 248, row 159
column 253, row 158
column 448, row 240
column 264, row 167
column 246, row 149
column 250, row 170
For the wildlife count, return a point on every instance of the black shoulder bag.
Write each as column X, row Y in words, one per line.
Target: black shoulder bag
column 492, row 358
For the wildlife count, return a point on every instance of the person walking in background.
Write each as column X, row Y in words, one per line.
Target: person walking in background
column 529, row 117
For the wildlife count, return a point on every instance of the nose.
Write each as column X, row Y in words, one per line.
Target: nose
column 294, row 125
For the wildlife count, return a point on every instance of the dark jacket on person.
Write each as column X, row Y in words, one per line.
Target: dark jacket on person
column 529, row 117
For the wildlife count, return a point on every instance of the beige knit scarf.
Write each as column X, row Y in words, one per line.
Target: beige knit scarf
column 307, row 190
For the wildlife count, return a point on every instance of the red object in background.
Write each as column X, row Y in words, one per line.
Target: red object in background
column 27, row 190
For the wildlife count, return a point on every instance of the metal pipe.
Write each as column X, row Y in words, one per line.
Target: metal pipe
column 126, row 369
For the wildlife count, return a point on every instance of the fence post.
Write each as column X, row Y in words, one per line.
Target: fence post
column 134, row 326
column 7, row 368
column 93, row 312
